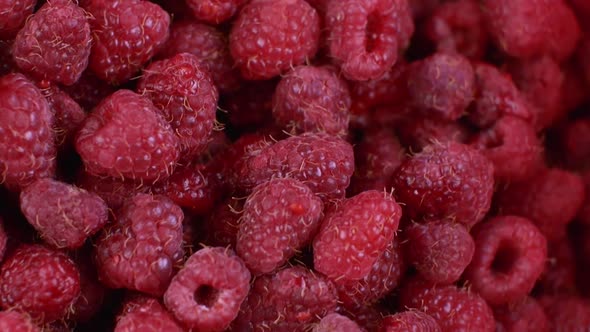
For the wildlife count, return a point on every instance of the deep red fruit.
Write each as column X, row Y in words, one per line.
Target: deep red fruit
column 68, row 115
column 126, row 33
column 525, row 315
column 448, row 181
column 114, row 191
column 214, row 11
column 89, row 90
column 140, row 249
column 249, row 108
column 440, row 251
column 13, row 14
column 55, row 43
column 41, row 282
column 27, row 140
column 510, row 255
column 64, row 215
column 336, row 322
column 560, row 271
column 566, row 312
column 146, row 314
column 271, row 36
column 207, row 292
column 415, row 321
column 223, row 223
column 418, row 131
column 17, row 321
column 355, row 234
column 575, row 143
column 126, row 137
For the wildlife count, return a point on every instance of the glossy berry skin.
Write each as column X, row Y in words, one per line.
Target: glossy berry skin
column 64, row 215
column 13, row 14
column 271, row 36
column 214, row 11
column 354, row 234
column 55, row 43
column 27, row 140
column 412, row 320
column 41, row 282
column 126, row 34
column 566, row 312
column 183, row 91
column 125, row 136
column 336, row 322
column 146, row 314
column 510, row 255
column 207, row 292
column 17, row 321
column 140, row 249
column 525, row 315
column 279, row 218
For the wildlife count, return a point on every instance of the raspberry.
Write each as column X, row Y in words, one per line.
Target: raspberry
column 442, row 85
column 564, row 31
column 209, row 45
column 122, row 46
column 417, row 131
column 354, row 234
column 422, row 8
column 271, row 36
column 409, row 321
column 454, row 309
column 336, row 322
column 13, row 14
column 566, row 312
column 27, row 148
column 89, row 90
column 574, row 87
column 280, row 217
column 214, row 11
column 55, row 43
column 439, row 251
column 140, row 249
column 126, row 137
column 510, row 255
column 559, row 275
column 16, row 321
column 526, row 315
column 207, row 292
column 323, row 163
column 63, row 214
column 312, row 99
column 223, row 223
column 367, row 317
column 448, row 181
column 512, row 146
column 575, row 143
column 41, row 282
column 550, row 199
column 184, row 92
column 289, row 300
column 114, row 191
column 147, row 316
column 67, row 113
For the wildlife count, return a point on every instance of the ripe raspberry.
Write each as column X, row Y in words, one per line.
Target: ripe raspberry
column 312, row 99
column 566, row 312
column 417, row 131
column 510, row 255
column 147, row 316
column 64, row 215
column 27, row 148
column 280, row 217
column 525, row 315
column 289, row 300
column 367, row 317
column 423, row 8
column 448, row 181
column 16, row 321
column 454, row 309
column 214, row 11
column 140, row 249
column 68, row 115
column 209, row 45
column 41, row 282
column 322, row 162
column 223, row 223
column 55, row 43
column 409, row 321
column 271, row 36
column 126, row 137
column 439, row 251
column 89, row 90
column 114, row 191
column 550, row 199
column 207, row 292
column 442, row 85
column 122, row 46
column 574, row 87
column 336, row 322
column 13, row 14
column 355, row 234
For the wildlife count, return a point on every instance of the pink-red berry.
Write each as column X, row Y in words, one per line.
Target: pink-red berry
column 412, row 320
column 13, row 14
column 214, row 11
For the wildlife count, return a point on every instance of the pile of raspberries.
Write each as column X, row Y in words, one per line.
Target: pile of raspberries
column 295, row 165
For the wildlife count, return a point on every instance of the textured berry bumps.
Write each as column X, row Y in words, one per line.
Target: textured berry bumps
column 13, row 14
column 336, row 322
column 146, row 314
column 214, row 11
column 409, row 321
column 17, row 321
column 525, row 315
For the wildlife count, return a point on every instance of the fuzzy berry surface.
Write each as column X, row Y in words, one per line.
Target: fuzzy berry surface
column 146, row 314
column 214, row 11
column 13, row 14
column 411, row 320
column 336, row 322
column 17, row 321
column 525, row 315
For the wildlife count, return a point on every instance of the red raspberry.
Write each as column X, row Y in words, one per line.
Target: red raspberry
column 89, row 90
column 355, row 234
column 416, row 321
column 289, row 300
column 223, row 223
column 67, row 113
column 126, row 137
column 27, row 148
column 140, row 249
column 271, row 36
column 184, row 92
column 566, row 312
column 322, row 162
column 114, row 191
column 279, row 218
column 551, row 199
column 454, row 309
column 55, row 43
column 209, row 45
column 559, row 275
column 122, row 46
column 525, row 315
column 146, row 315
column 422, row 8
column 13, row 14
column 510, row 255
column 417, row 131
column 207, row 292
column 439, row 251
column 336, row 322
column 41, row 282
column 64, row 215
column 448, row 181
column 214, row 11
column 250, row 107
column 442, row 85
column 574, row 87
column 367, row 317
column 564, row 31
column 16, row 321
column 312, row 99
column 575, row 143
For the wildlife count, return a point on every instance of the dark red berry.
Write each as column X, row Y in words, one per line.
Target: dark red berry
column 336, row 322
column 412, row 320
column 214, row 11
column 525, row 315
column 17, row 321
column 13, row 14
column 146, row 314
column 566, row 312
